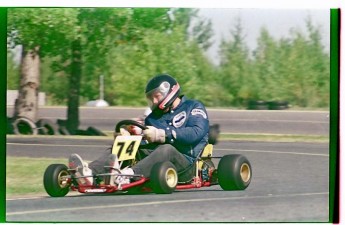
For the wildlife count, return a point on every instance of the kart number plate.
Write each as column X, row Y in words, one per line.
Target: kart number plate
column 126, row 147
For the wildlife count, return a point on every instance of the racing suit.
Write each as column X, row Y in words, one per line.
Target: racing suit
column 186, row 129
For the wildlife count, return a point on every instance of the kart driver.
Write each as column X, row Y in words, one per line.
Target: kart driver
column 177, row 132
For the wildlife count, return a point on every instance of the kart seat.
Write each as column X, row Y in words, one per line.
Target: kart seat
column 188, row 174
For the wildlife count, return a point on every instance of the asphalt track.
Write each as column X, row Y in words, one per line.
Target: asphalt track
column 231, row 121
column 290, row 184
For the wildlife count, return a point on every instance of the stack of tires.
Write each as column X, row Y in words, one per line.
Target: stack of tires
column 267, row 105
column 25, row 126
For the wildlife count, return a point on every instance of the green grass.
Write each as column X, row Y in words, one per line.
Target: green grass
column 25, row 175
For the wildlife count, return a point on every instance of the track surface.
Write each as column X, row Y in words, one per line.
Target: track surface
column 290, row 180
column 234, row 121
column 290, row 184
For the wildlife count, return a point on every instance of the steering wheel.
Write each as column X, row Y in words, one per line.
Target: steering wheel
column 129, row 122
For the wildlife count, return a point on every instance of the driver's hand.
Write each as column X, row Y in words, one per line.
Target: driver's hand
column 134, row 130
column 153, row 134
column 123, row 132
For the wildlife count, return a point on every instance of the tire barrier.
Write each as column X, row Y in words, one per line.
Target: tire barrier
column 62, row 127
column 257, row 105
column 24, row 125
column 267, row 105
column 278, row 105
column 94, row 132
column 47, row 127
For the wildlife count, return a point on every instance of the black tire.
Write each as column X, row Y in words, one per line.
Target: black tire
column 257, row 105
column 62, row 127
column 92, row 131
column 24, row 125
column 278, row 105
column 47, row 127
column 81, row 132
column 234, row 172
column 53, row 181
column 163, row 179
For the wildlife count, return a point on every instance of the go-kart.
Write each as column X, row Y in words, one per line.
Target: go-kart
column 233, row 172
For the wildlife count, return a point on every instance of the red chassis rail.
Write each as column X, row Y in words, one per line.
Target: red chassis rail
column 106, row 188
column 196, row 183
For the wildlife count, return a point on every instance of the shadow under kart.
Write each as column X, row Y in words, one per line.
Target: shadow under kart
column 233, row 172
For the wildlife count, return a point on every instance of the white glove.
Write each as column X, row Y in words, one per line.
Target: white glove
column 153, row 134
column 123, row 132
column 134, row 130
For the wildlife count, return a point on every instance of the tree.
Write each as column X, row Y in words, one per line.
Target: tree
column 112, row 31
column 102, row 29
column 235, row 66
column 295, row 68
column 83, row 51
column 158, row 53
column 40, row 31
column 12, row 71
column 319, row 64
column 265, row 73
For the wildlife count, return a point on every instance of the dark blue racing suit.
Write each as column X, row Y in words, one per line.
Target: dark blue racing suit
column 189, row 121
column 186, row 128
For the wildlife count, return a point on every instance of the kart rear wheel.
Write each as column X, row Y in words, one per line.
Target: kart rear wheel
column 234, row 172
column 163, row 178
column 55, row 180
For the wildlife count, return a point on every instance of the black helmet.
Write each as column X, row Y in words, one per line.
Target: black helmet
column 161, row 91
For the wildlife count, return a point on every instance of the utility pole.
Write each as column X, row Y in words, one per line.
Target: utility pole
column 101, row 87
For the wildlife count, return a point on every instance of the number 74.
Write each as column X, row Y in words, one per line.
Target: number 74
column 126, row 147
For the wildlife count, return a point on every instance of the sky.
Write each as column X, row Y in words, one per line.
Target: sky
column 278, row 22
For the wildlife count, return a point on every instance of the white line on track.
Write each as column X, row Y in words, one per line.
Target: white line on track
column 163, row 202
column 274, row 152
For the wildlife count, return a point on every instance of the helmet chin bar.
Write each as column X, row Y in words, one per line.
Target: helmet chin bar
column 161, row 92
column 170, row 98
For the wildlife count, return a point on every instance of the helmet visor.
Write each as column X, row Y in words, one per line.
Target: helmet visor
column 157, row 95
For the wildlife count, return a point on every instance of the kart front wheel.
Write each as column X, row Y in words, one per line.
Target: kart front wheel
column 234, row 172
column 55, row 180
column 163, row 178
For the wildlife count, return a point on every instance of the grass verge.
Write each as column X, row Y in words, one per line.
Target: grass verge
column 24, row 175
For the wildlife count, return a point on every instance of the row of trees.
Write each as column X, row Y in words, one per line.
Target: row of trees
column 76, row 46
column 294, row 69
column 129, row 45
